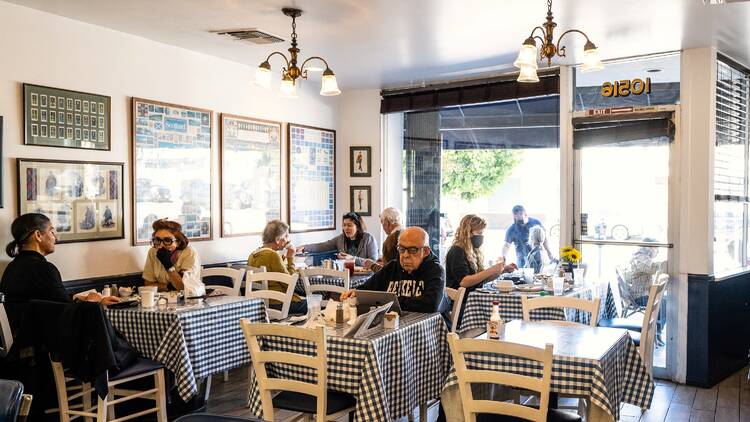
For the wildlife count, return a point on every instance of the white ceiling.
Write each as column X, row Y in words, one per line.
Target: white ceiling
column 389, row 43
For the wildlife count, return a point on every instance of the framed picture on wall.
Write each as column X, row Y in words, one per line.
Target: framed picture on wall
column 171, row 168
column 48, row 118
column 83, row 199
column 360, row 161
column 360, row 200
column 250, row 174
column 1, row 163
column 312, row 178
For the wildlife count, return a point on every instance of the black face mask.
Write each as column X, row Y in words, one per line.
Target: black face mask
column 477, row 240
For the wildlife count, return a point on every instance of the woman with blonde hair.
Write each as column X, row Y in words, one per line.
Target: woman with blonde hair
column 464, row 263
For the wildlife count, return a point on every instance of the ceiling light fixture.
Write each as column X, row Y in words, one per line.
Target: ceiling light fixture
column 526, row 61
column 291, row 73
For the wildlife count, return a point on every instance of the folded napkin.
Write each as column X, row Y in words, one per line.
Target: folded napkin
column 194, row 287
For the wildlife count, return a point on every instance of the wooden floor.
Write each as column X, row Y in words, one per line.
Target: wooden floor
column 729, row 401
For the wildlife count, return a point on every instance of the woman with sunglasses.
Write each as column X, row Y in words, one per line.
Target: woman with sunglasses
column 169, row 257
column 354, row 241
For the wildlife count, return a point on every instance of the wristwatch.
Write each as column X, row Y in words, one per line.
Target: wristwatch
column 172, row 269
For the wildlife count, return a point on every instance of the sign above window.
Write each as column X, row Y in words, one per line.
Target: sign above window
column 626, row 87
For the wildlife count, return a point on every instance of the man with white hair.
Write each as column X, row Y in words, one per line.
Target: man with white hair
column 391, row 219
column 416, row 277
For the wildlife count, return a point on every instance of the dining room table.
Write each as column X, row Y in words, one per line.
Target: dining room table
column 479, row 306
column 355, row 280
column 389, row 371
column 599, row 364
column 193, row 340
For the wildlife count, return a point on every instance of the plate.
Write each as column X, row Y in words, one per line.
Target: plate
column 529, row 288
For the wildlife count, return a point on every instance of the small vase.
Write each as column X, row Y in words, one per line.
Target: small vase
column 568, row 272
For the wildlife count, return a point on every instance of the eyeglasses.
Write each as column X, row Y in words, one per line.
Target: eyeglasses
column 166, row 241
column 413, row 250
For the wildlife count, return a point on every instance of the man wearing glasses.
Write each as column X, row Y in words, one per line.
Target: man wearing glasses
column 416, row 277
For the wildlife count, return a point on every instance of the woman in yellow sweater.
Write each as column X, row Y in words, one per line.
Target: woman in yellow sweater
column 276, row 238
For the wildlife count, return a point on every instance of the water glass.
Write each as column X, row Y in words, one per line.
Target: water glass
column 313, row 305
column 578, row 275
column 558, row 285
column 528, row 275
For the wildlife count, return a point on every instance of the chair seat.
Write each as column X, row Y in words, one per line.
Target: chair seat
column 298, row 402
column 10, row 399
column 625, row 323
column 472, row 333
column 553, row 415
column 140, row 366
column 205, row 417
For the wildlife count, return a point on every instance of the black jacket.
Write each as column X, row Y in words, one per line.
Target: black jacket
column 29, row 276
column 420, row 291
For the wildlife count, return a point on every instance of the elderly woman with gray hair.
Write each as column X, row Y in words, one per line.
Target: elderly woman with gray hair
column 536, row 243
column 275, row 239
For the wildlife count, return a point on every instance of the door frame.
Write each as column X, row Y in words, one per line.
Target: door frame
column 673, row 224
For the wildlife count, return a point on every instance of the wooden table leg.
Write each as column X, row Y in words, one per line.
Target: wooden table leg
column 597, row 414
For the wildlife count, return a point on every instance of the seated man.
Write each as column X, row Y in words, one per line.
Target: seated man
column 416, row 277
column 391, row 220
column 29, row 276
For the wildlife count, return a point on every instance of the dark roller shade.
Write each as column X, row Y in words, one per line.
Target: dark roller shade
column 625, row 129
column 471, row 92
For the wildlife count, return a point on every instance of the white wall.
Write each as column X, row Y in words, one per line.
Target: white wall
column 359, row 125
column 50, row 50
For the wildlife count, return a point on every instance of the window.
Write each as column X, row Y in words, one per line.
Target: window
column 731, row 168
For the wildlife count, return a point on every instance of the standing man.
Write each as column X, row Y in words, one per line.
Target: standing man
column 416, row 277
column 391, row 219
column 518, row 235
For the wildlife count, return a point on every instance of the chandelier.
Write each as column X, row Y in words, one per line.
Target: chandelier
column 527, row 62
column 291, row 72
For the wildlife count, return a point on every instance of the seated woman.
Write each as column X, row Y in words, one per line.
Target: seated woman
column 276, row 238
column 170, row 257
column 464, row 266
column 353, row 242
column 29, row 276
column 536, row 242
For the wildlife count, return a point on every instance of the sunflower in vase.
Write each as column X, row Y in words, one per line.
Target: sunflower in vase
column 570, row 256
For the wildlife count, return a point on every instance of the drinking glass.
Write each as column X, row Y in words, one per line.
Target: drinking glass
column 313, row 306
column 528, row 275
column 349, row 265
column 578, row 275
column 558, row 285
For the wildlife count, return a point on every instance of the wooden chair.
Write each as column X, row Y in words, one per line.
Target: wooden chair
column 262, row 285
column 6, row 336
column 457, row 296
column 477, row 409
column 236, row 275
column 295, row 395
column 285, row 298
column 590, row 306
column 307, row 273
column 648, row 330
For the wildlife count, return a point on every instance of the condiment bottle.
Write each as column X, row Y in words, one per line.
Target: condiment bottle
column 340, row 313
column 494, row 325
column 106, row 291
column 115, row 290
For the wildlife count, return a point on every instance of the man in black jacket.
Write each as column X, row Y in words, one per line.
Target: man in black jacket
column 416, row 277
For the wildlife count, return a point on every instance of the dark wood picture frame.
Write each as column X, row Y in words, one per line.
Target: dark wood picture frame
column 352, row 199
column 103, row 114
column 290, row 178
column 134, row 170
column 222, row 178
column 356, row 160
column 108, row 190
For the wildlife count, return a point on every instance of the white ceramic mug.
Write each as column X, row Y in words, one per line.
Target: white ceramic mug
column 148, row 298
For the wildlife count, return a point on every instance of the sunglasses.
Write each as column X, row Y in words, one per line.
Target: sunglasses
column 413, row 250
column 166, row 241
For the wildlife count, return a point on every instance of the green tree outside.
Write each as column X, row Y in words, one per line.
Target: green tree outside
column 470, row 174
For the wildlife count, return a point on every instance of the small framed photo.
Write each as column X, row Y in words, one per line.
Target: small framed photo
column 34, row 99
column 60, row 117
column 360, row 161
column 61, row 103
column 361, row 200
column 78, row 105
column 85, row 106
column 101, row 108
column 69, row 104
column 43, row 115
column 43, row 132
column 34, row 114
column 53, row 132
column 52, row 101
column 86, row 119
column 53, row 117
column 34, row 130
column 69, row 133
column 43, row 100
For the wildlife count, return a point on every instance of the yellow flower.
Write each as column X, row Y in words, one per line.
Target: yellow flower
column 566, row 249
column 575, row 255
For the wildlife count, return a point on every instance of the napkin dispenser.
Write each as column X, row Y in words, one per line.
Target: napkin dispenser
column 390, row 320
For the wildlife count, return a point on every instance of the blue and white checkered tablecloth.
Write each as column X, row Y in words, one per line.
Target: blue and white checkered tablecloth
column 354, row 282
column 479, row 306
column 390, row 372
column 191, row 341
column 618, row 377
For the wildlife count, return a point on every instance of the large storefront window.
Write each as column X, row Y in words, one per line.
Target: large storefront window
column 483, row 159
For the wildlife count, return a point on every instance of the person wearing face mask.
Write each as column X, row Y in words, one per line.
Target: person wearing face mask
column 169, row 257
column 464, row 262
column 354, row 241
column 518, row 234
column 276, row 238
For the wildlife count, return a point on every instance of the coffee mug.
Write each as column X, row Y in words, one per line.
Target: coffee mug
column 148, row 298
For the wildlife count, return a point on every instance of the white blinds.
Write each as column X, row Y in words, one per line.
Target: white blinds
column 730, row 156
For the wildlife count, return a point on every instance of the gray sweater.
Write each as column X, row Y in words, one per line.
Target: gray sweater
column 367, row 247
